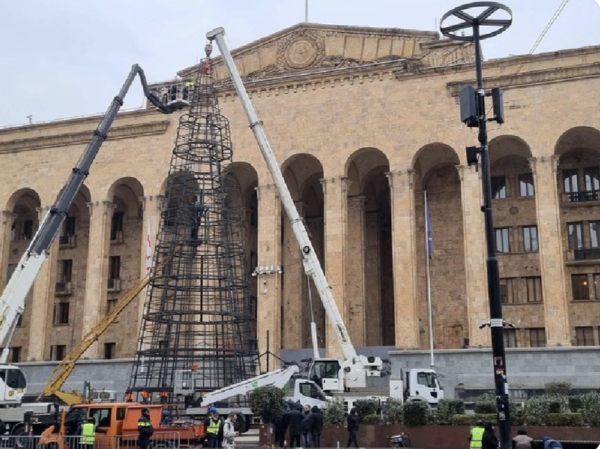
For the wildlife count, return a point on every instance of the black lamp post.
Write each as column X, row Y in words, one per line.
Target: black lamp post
column 471, row 17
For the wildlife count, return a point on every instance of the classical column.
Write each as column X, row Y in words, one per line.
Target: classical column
column 97, row 267
column 478, row 309
column 404, row 252
column 6, row 221
column 295, row 300
column 42, row 300
column 269, row 295
column 335, row 216
column 355, row 270
column 152, row 206
column 552, row 260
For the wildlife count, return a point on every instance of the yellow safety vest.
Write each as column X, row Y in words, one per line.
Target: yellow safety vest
column 213, row 426
column 476, row 437
column 88, row 433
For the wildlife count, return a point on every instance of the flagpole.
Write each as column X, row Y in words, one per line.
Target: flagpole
column 427, row 256
column 306, row 10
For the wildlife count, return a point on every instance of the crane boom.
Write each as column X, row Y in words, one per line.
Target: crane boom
column 311, row 263
column 12, row 300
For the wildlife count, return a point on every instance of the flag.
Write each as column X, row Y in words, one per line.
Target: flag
column 428, row 230
column 149, row 248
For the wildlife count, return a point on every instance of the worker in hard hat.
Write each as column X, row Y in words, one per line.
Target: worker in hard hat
column 145, row 429
column 213, row 424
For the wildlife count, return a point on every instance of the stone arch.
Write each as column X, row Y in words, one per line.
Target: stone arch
column 126, row 194
column 435, row 172
column 359, row 166
column 303, row 174
column 509, row 166
column 578, row 138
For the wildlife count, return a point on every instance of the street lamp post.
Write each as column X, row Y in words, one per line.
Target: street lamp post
column 474, row 16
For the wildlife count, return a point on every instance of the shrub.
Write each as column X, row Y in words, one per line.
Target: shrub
column 564, row 419
column 447, row 408
column 558, row 388
column 575, row 403
column 416, row 413
column 371, row 419
column 366, row 407
column 590, row 409
column 392, row 411
column 485, row 404
column 333, row 412
column 537, row 408
column 470, row 420
column 268, row 403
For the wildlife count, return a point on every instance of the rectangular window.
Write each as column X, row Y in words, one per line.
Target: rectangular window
column 110, row 304
column 534, row 289
column 13, row 232
column 530, row 239
column 64, row 270
column 27, row 229
column 114, row 267
column 498, row 187
column 537, row 337
column 116, row 227
column 591, row 176
column 526, row 184
column 15, row 354
column 508, row 290
column 110, row 350
column 502, row 245
column 584, row 336
column 61, row 313
column 58, row 352
column 596, row 286
column 575, row 231
column 580, row 287
column 67, row 231
column 594, row 234
column 510, row 338
column 570, row 183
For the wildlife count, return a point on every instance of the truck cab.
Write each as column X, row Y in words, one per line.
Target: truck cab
column 423, row 385
column 13, row 385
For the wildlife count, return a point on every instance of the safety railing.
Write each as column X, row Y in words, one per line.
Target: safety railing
column 160, row 440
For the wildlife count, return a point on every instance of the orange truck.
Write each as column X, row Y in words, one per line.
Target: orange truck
column 116, row 426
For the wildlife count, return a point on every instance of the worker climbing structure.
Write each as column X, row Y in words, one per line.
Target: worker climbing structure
column 195, row 334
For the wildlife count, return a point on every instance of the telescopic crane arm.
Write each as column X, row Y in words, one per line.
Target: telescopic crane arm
column 12, row 300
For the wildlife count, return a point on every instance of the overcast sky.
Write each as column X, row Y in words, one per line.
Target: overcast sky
column 66, row 58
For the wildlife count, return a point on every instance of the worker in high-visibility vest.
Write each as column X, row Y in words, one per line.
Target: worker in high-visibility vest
column 213, row 423
column 145, row 429
column 88, row 433
column 476, row 435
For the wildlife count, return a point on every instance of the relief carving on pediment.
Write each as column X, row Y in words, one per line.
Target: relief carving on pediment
column 300, row 50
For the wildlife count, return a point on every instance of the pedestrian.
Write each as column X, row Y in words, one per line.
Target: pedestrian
column 489, row 439
column 550, row 443
column 476, row 435
column 316, row 426
column 240, row 422
column 229, row 432
column 167, row 419
column 87, row 433
column 145, row 429
column 352, row 423
column 306, row 426
column 523, row 441
column 213, row 424
column 279, row 428
column 293, row 419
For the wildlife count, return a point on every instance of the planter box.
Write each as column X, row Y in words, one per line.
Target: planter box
column 439, row 437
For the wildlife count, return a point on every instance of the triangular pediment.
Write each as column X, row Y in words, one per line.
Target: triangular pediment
column 309, row 48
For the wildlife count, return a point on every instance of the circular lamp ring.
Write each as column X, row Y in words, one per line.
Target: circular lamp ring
column 467, row 20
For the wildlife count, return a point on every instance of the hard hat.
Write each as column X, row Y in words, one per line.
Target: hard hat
column 212, row 409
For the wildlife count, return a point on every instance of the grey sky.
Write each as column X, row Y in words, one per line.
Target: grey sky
column 65, row 58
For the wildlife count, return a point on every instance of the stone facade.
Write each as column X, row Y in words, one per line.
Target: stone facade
column 362, row 121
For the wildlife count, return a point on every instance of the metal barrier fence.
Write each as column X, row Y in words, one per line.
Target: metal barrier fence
column 162, row 440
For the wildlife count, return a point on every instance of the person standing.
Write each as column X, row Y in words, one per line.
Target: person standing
column 306, row 426
column 476, row 435
column 212, row 423
column 145, row 429
column 229, row 432
column 294, row 418
column 316, row 426
column 88, row 433
column 352, row 419
column 279, row 428
column 489, row 439
column 523, row 441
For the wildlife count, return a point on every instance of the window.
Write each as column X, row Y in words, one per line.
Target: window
column 58, row 352
column 508, row 290
column 13, row 232
column 570, row 183
column 426, row 379
column 575, row 231
column 116, row 227
column 526, row 184
column 584, row 336
column 594, row 234
column 591, row 177
column 530, row 239
column 27, row 229
column 101, row 416
column 110, row 304
column 537, row 337
column 534, row 289
column 64, row 271
column 110, row 349
column 498, row 187
column 15, row 354
column 502, row 245
column 510, row 338
column 596, row 286
column 580, row 287
column 61, row 313
column 67, row 231
column 114, row 268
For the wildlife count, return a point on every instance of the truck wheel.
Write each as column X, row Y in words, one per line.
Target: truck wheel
column 22, row 440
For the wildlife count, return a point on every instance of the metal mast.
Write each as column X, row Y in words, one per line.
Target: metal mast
column 197, row 319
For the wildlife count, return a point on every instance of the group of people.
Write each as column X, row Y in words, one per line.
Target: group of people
column 482, row 436
column 303, row 425
column 222, row 433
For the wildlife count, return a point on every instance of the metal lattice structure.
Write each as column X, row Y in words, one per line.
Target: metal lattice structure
column 197, row 324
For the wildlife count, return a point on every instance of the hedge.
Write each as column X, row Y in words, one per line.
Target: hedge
column 470, row 420
column 564, row 420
